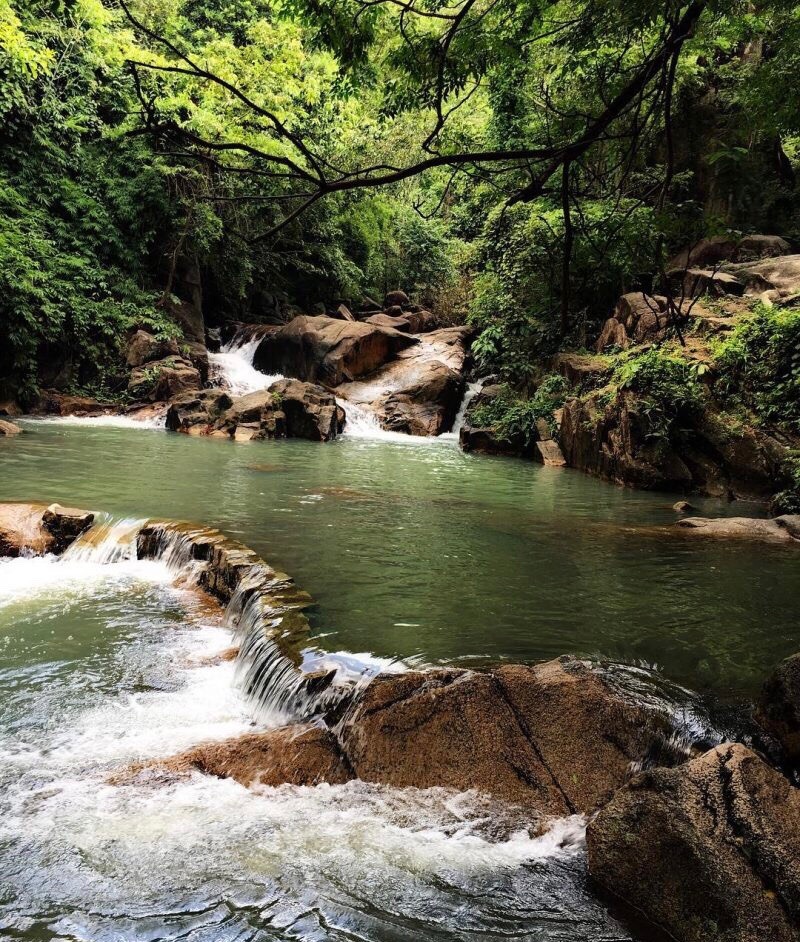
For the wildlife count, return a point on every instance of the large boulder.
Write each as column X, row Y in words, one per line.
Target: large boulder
column 774, row 278
column 288, row 409
column 708, row 851
column 54, row 402
column 294, row 755
column 556, row 738
column 164, row 380
column 396, row 299
column 196, row 412
column 778, row 707
column 326, row 350
column 581, row 371
column 754, row 247
column 39, row 529
column 784, row 529
column 485, row 439
column 145, row 348
column 420, row 391
column 427, row 405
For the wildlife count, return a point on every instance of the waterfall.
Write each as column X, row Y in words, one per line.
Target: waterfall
column 110, row 541
column 232, row 368
column 470, row 393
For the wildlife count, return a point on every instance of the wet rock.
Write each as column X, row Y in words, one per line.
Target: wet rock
column 487, row 441
column 164, row 380
column 288, row 409
column 65, row 525
column 784, row 529
column 708, row 850
column 10, row 408
column 554, row 737
column 399, row 298
column 428, row 405
column 420, row 391
column 295, row 755
column 321, row 349
column 145, row 348
column 683, row 507
column 38, row 529
column 549, row 454
column 778, row 707
column 195, row 413
column 9, row 428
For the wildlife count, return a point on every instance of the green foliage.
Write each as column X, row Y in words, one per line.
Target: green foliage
column 759, row 366
column 787, row 501
column 666, row 384
column 512, row 417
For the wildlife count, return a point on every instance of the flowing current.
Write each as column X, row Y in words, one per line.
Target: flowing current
column 110, row 659
column 232, row 368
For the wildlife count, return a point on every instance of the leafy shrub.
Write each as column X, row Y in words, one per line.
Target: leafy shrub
column 787, row 501
column 759, row 365
column 665, row 382
column 512, row 417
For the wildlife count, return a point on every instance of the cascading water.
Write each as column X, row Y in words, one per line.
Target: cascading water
column 232, row 368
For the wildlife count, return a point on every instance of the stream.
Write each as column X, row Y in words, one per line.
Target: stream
column 416, row 555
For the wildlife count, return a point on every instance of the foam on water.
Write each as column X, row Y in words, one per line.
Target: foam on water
column 101, row 421
column 232, row 368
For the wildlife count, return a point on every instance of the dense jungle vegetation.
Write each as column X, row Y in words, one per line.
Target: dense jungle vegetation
column 514, row 163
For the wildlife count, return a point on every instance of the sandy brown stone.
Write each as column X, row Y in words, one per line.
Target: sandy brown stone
column 39, row 529
column 784, row 529
column 294, row 755
column 9, row 428
column 708, row 851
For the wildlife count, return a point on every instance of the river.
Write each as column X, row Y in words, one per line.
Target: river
column 415, row 554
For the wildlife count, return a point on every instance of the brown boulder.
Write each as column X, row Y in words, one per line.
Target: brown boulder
column 581, row 371
column 322, row 349
column 164, row 379
column 195, row 412
column 697, row 281
column 778, row 277
column 548, row 453
column 554, row 737
column 778, row 707
column 145, row 348
column 39, row 529
column 342, row 313
column 613, row 334
column 54, row 402
column 400, row 323
column 428, row 405
column 706, row 253
column 708, row 850
column 294, row 755
column 288, row 409
column 9, row 428
column 785, row 529
column 399, row 298
column 755, row 247
column 65, row 525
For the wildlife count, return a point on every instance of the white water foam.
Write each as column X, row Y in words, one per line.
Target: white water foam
column 232, row 368
column 150, row 421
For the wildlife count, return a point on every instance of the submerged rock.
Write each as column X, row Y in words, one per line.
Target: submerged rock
column 778, row 707
column 785, row 529
column 9, row 429
column 708, row 850
column 323, row 349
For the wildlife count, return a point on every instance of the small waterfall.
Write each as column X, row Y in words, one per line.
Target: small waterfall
column 232, row 368
column 107, row 542
column 470, row 393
